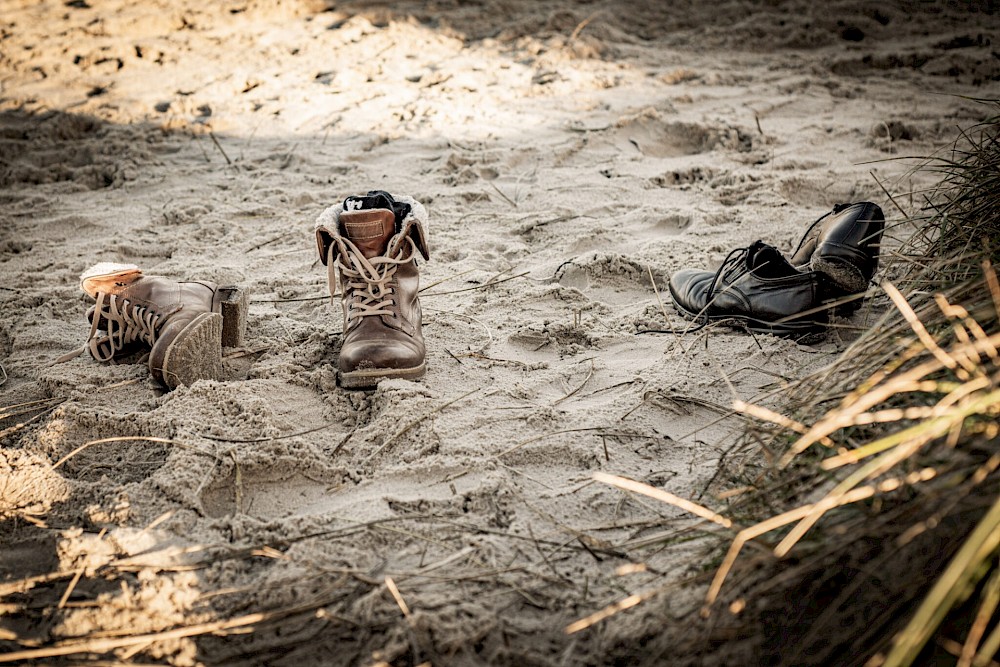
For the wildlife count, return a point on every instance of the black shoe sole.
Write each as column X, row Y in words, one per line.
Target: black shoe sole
column 841, row 272
column 789, row 329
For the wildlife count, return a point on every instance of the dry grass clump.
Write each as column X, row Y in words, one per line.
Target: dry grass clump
column 876, row 530
column 890, row 501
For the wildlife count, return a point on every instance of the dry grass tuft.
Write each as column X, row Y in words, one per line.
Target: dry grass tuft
column 895, row 529
column 878, row 527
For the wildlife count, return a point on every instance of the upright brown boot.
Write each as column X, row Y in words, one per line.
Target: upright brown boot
column 185, row 324
column 371, row 255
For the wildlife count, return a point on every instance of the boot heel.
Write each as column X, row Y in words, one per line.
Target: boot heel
column 235, row 307
column 844, row 274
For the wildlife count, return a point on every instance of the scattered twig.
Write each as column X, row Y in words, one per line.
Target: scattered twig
column 891, row 198
column 276, row 437
column 627, row 603
column 478, row 287
column 215, row 141
column 304, row 298
column 525, row 475
column 17, row 427
column 546, row 435
column 391, row 585
column 30, row 406
column 99, row 645
column 164, row 441
column 501, row 193
column 583, row 24
column 580, row 386
column 776, row 418
column 663, row 310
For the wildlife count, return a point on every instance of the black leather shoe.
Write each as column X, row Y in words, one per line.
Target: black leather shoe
column 755, row 286
column 844, row 248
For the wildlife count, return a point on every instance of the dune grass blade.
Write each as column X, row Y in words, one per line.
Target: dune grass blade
column 991, row 599
column 988, row 649
column 963, row 572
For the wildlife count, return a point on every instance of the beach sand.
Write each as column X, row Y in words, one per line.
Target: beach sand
column 571, row 155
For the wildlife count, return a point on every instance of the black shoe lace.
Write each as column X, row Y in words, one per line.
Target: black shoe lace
column 732, row 267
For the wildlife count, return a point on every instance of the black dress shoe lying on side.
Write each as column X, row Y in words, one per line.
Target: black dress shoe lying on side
column 843, row 245
column 755, row 286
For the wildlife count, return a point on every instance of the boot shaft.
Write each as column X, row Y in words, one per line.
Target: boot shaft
column 156, row 293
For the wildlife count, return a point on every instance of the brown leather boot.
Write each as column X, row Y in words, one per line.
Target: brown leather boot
column 372, row 258
column 185, row 324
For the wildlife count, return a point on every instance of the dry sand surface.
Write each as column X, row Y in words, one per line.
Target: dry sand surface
column 570, row 155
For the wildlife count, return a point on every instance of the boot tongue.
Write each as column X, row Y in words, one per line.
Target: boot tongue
column 370, row 230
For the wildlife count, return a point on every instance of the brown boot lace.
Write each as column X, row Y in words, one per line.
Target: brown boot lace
column 125, row 322
column 370, row 281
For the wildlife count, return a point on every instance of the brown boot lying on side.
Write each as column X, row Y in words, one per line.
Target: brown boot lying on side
column 185, row 324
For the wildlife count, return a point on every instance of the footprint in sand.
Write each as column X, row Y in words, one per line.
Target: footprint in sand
column 651, row 135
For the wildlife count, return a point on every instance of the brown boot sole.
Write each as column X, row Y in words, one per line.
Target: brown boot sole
column 196, row 353
column 370, row 378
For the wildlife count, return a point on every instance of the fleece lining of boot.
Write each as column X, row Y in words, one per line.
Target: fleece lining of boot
column 329, row 222
column 106, row 269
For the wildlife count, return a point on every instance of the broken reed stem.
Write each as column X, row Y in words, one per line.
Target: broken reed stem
column 391, row 585
column 764, row 414
column 478, row 287
column 663, row 496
